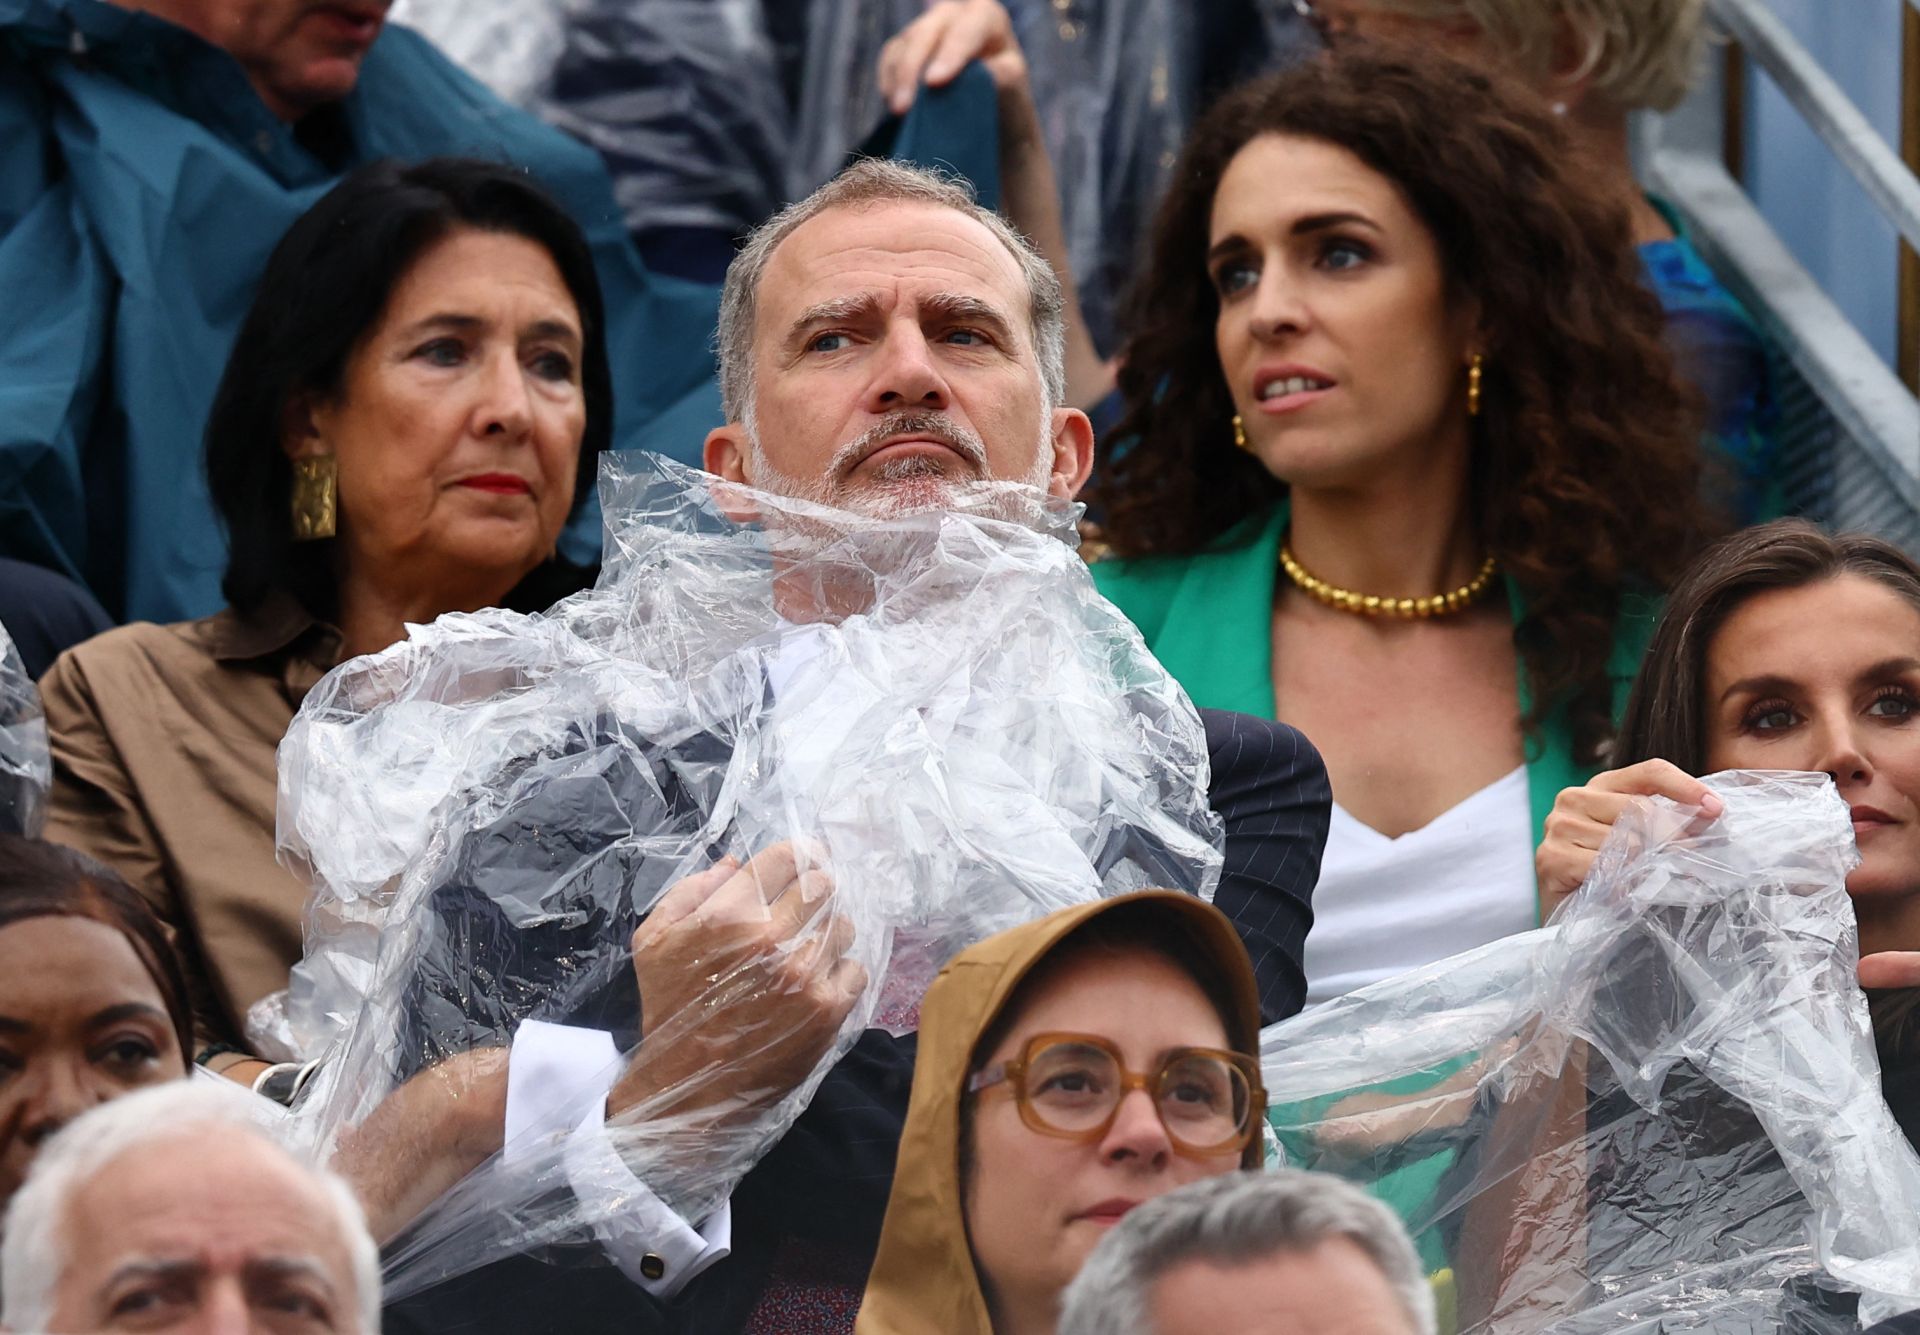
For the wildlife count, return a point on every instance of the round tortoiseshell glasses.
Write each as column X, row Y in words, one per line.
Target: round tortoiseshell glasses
column 1070, row 1085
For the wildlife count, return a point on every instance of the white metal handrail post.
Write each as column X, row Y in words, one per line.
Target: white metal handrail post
column 1877, row 465
column 1827, row 109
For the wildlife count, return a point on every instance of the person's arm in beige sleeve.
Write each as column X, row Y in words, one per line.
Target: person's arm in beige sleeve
column 93, row 807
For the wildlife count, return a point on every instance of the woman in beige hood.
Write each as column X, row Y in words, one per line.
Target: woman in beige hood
column 1025, row 1140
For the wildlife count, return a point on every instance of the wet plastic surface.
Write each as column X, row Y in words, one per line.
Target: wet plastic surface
column 936, row 711
column 26, row 764
column 1662, row 1112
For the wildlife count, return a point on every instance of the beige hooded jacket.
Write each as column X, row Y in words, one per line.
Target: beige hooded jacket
column 923, row 1280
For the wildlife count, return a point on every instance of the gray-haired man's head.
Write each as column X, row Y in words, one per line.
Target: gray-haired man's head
column 1253, row 1252
column 887, row 338
column 178, row 1209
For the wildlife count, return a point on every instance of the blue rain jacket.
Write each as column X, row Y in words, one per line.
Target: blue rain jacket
column 142, row 186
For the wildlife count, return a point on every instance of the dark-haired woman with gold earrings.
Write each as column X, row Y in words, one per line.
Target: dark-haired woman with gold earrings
column 376, row 461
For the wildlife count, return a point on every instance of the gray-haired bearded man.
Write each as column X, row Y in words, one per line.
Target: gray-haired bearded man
column 885, row 344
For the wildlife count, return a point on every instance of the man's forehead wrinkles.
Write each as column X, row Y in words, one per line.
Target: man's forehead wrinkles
column 848, row 243
column 882, row 299
column 139, row 1196
column 891, row 221
column 908, row 246
column 897, row 275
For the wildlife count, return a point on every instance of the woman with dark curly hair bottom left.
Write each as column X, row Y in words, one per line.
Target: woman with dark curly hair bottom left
column 1405, row 463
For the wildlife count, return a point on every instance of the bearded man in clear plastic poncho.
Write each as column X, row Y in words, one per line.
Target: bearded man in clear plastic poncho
column 796, row 769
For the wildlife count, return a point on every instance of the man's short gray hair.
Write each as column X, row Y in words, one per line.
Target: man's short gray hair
column 870, row 182
column 1237, row 1219
column 33, row 1244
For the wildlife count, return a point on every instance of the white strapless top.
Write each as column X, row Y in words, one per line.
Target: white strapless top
column 1384, row 906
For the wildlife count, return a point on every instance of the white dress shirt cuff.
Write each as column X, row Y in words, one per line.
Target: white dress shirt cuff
column 557, row 1082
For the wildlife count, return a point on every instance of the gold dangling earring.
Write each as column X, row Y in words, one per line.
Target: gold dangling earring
column 1473, row 385
column 314, row 495
column 1240, row 434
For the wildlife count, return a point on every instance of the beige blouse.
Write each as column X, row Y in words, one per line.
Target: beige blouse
column 163, row 768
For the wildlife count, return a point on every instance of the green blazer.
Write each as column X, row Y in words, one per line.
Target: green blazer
column 1208, row 618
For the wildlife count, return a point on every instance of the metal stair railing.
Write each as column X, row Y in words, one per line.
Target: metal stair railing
column 1827, row 109
column 1850, row 434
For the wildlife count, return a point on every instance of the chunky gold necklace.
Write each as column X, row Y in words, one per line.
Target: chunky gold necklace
column 1367, row 605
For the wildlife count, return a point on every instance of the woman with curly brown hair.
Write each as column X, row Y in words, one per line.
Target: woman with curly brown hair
column 1594, row 63
column 1404, row 461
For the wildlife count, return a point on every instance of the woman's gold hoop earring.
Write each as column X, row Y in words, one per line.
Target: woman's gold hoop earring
column 1473, row 385
column 1240, row 434
column 314, row 498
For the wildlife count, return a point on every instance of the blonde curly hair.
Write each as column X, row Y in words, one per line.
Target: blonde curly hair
column 1640, row 54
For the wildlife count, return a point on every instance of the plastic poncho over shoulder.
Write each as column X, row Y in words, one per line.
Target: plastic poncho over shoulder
column 935, row 706
column 1660, row 1113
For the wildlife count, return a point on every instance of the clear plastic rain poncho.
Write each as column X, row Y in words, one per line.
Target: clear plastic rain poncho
column 1661, row 1113
column 936, row 714
column 26, row 766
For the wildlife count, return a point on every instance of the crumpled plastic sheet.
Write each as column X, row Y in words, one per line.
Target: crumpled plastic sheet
column 26, row 764
column 937, row 708
column 1660, row 1113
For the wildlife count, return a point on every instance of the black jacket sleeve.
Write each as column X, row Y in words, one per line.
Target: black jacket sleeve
column 1270, row 789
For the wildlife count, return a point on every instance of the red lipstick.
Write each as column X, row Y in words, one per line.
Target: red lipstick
column 501, row 484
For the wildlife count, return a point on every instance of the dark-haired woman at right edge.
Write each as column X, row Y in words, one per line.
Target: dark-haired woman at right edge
column 1405, row 463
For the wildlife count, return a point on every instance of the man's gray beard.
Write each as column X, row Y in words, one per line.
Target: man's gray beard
column 903, row 486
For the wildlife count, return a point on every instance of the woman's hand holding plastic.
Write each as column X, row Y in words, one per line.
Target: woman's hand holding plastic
column 1582, row 818
column 744, row 981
